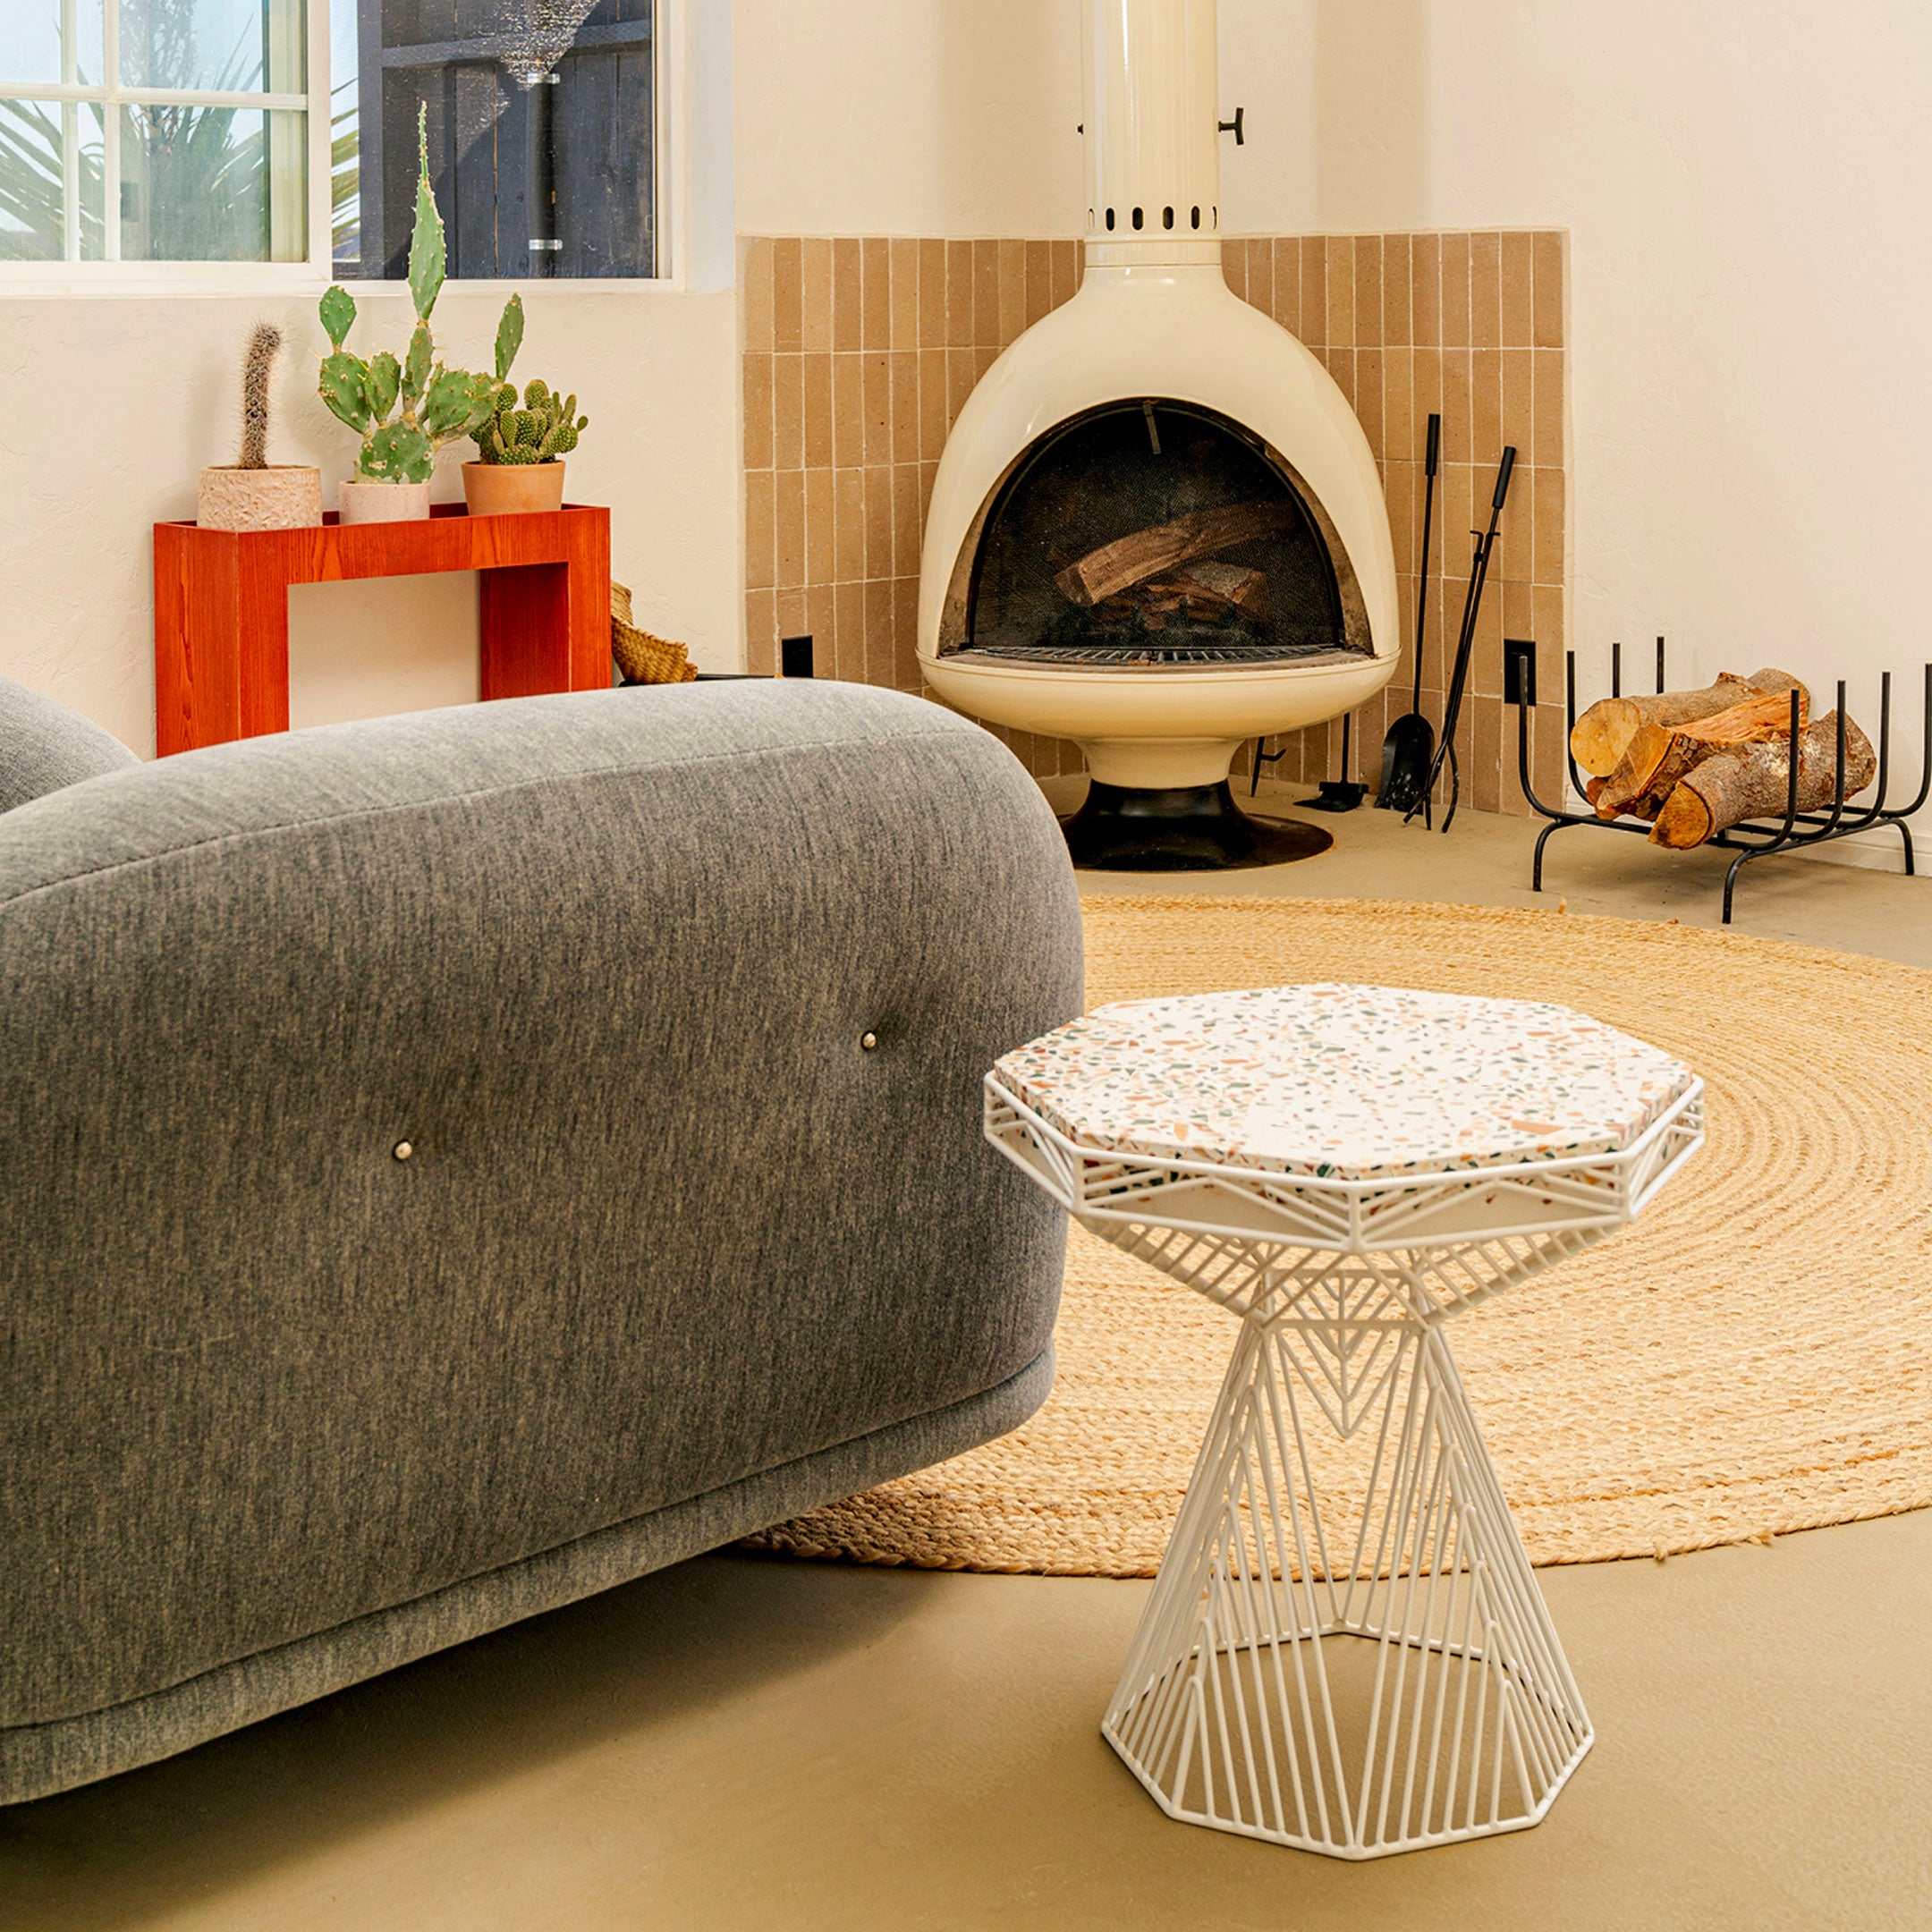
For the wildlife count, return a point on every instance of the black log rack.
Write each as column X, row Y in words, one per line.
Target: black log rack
column 1750, row 838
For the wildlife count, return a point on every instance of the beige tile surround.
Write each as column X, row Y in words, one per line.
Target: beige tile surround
column 859, row 353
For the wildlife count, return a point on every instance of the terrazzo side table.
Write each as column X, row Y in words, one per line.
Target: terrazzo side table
column 1357, row 1663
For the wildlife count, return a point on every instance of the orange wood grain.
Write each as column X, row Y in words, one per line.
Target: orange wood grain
column 221, row 608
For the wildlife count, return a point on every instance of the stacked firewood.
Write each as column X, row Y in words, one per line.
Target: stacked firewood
column 1694, row 763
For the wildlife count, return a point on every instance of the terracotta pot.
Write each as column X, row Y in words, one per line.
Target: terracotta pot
column 384, row 503
column 508, row 489
column 281, row 496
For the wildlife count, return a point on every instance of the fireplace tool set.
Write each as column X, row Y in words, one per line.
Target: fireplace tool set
column 1842, row 750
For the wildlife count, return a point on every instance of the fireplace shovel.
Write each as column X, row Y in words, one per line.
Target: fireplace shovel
column 1409, row 749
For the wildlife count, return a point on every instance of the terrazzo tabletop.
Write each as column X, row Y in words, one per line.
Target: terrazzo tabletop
column 1346, row 1082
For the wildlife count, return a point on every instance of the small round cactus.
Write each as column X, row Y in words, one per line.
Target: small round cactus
column 545, row 427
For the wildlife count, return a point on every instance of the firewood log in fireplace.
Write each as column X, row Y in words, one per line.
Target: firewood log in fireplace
column 1659, row 755
column 1214, row 593
column 1753, row 781
column 1600, row 737
column 1163, row 548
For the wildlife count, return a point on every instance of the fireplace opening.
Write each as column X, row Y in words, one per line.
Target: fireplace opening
column 1150, row 532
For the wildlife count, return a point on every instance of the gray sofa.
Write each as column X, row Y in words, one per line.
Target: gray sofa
column 672, row 1254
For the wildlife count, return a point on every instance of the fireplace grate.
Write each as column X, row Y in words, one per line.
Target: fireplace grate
column 1112, row 656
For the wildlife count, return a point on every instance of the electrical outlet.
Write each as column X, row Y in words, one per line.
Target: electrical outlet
column 1518, row 670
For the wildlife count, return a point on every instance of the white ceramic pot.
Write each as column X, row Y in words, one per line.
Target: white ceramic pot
column 280, row 496
column 384, row 503
column 511, row 490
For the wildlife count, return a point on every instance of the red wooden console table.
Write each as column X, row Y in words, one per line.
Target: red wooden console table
column 221, row 608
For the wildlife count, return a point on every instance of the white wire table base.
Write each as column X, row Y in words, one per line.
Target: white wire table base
column 1355, row 1682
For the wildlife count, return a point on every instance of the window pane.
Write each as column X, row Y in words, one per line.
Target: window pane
column 30, row 41
column 33, row 203
column 212, row 184
column 542, row 126
column 230, row 46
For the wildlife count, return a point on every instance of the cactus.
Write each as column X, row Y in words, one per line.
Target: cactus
column 543, row 428
column 264, row 345
column 406, row 411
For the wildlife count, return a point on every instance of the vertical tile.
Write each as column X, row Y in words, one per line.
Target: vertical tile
column 1518, row 330
column 814, row 294
column 875, row 281
column 1455, row 291
column 1261, row 254
column 788, row 412
column 788, row 496
column 1038, row 280
column 906, row 438
column 1013, row 295
column 1401, row 427
column 932, row 294
column 1515, row 557
column 1547, row 627
column 1485, row 289
column 848, row 294
column 1487, row 788
column 1314, row 290
column 1428, row 366
column 1369, row 332
column 1425, row 290
column 907, row 523
column 1546, row 754
column 984, row 357
column 1341, row 365
column 1486, row 406
column 985, row 294
column 792, row 619
column 905, row 633
column 848, row 411
column 1457, row 428
column 761, row 531
column 821, row 624
column 818, row 371
column 1549, row 526
column 1546, row 410
column 904, row 256
column 848, row 632
column 1518, row 396
column 1234, row 267
column 959, row 288
column 1546, row 289
column 761, row 632
column 787, row 296
column 821, row 549
column 758, row 412
column 962, row 372
column 1286, row 250
column 1340, row 333
column 877, row 505
column 933, row 421
column 876, row 401
column 758, row 295
column 849, row 526
column 1397, row 291
column 876, row 618
column 1369, row 380
column 1067, row 271
column 1399, row 491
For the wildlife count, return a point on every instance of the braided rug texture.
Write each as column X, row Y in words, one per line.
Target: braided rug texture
column 1753, row 1356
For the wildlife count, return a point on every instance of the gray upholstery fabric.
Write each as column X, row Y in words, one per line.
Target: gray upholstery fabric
column 605, row 961
column 44, row 746
column 37, row 1759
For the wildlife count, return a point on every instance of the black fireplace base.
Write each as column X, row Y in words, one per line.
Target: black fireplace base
column 1190, row 828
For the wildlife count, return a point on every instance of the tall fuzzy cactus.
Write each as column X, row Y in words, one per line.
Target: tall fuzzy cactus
column 406, row 411
column 545, row 428
column 264, row 345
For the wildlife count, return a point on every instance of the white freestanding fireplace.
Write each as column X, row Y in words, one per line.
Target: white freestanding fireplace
column 1157, row 527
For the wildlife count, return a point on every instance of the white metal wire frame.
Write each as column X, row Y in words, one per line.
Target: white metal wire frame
column 1352, row 1679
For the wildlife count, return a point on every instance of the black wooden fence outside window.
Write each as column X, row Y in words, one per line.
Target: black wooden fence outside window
column 542, row 131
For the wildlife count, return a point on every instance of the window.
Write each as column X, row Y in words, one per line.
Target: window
column 208, row 116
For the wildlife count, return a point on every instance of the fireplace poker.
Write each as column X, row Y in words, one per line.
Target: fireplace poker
column 1465, row 647
column 1410, row 742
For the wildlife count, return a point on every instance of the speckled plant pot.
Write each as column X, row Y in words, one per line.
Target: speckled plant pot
column 509, row 489
column 280, row 496
column 384, row 503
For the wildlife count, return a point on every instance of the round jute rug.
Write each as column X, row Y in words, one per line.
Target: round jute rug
column 1753, row 1356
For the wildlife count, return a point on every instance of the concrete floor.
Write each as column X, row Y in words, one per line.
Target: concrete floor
column 742, row 1744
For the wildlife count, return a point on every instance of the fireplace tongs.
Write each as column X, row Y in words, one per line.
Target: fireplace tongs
column 1465, row 647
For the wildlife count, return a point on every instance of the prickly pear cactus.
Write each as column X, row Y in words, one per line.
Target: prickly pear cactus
column 406, row 411
column 545, row 427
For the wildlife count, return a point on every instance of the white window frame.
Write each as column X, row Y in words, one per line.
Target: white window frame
column 114, row 276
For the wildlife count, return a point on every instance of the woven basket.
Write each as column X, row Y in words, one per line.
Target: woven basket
column 642, row 658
